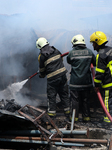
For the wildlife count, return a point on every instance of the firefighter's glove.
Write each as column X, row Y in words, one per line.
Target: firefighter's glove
column 41, row 76
column 38, row 71
column 97, row 89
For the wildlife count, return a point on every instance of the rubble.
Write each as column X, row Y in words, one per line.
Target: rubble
column 26, row 125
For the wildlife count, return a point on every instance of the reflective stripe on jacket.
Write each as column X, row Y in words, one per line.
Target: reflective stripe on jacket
column 51, row 63
column 80, row 58
column 104, row 68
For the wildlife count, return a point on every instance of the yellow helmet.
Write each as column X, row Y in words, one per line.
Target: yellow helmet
column 98, row 37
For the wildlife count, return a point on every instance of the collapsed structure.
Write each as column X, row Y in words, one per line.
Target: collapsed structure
column 24, row 127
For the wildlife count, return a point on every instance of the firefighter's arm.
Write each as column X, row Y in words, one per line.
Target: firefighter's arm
column 41, row 76
column 93, row 60
column 100, row 71
column 68, row 59
column 97, row 83
column 42, row 70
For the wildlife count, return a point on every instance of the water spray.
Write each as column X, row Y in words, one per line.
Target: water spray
column 15, row 87
column 12, row 89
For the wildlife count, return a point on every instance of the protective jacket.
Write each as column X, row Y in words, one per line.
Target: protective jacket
column 80, row 58
column 51, row 63
column 103, row 76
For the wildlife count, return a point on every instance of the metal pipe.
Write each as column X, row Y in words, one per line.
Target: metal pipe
column 68, row 144
column 40, row 142
column 110, row 145
column 100, row 141
column 73, row 118
column 35, row 132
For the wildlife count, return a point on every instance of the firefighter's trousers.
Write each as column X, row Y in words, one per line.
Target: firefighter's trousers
column 58, row 86
column 80, row 99
column 107, row 97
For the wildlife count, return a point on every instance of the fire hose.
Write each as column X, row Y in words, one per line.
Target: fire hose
column 38, row 70
column 100, row 97
column 98, row 92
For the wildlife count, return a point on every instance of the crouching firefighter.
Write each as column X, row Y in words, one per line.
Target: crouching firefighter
column 51, row 65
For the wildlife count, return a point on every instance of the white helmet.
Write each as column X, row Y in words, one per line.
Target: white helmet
column 78, row 39
column 41, row 42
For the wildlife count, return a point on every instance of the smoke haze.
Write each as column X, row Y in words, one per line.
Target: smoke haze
column 23, row 22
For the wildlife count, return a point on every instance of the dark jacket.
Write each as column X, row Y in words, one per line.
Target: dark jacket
column 51, row 63
column 80, row 58
column 104, row 68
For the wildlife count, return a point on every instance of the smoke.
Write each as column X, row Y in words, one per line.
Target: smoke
column 16, row 35
column 13, row 92
column 18, row 58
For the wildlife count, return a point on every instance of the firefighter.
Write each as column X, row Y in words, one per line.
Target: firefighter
column 80, row 59
column 51, row 65
column 103, row 76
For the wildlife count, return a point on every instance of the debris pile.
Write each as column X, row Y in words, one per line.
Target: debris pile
column 25, row 127
column 9, row 105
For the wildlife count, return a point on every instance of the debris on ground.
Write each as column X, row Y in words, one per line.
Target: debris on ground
column 27, row 126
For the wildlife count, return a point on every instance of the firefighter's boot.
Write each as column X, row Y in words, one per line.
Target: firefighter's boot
column 53, row 119
column 68, row 118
